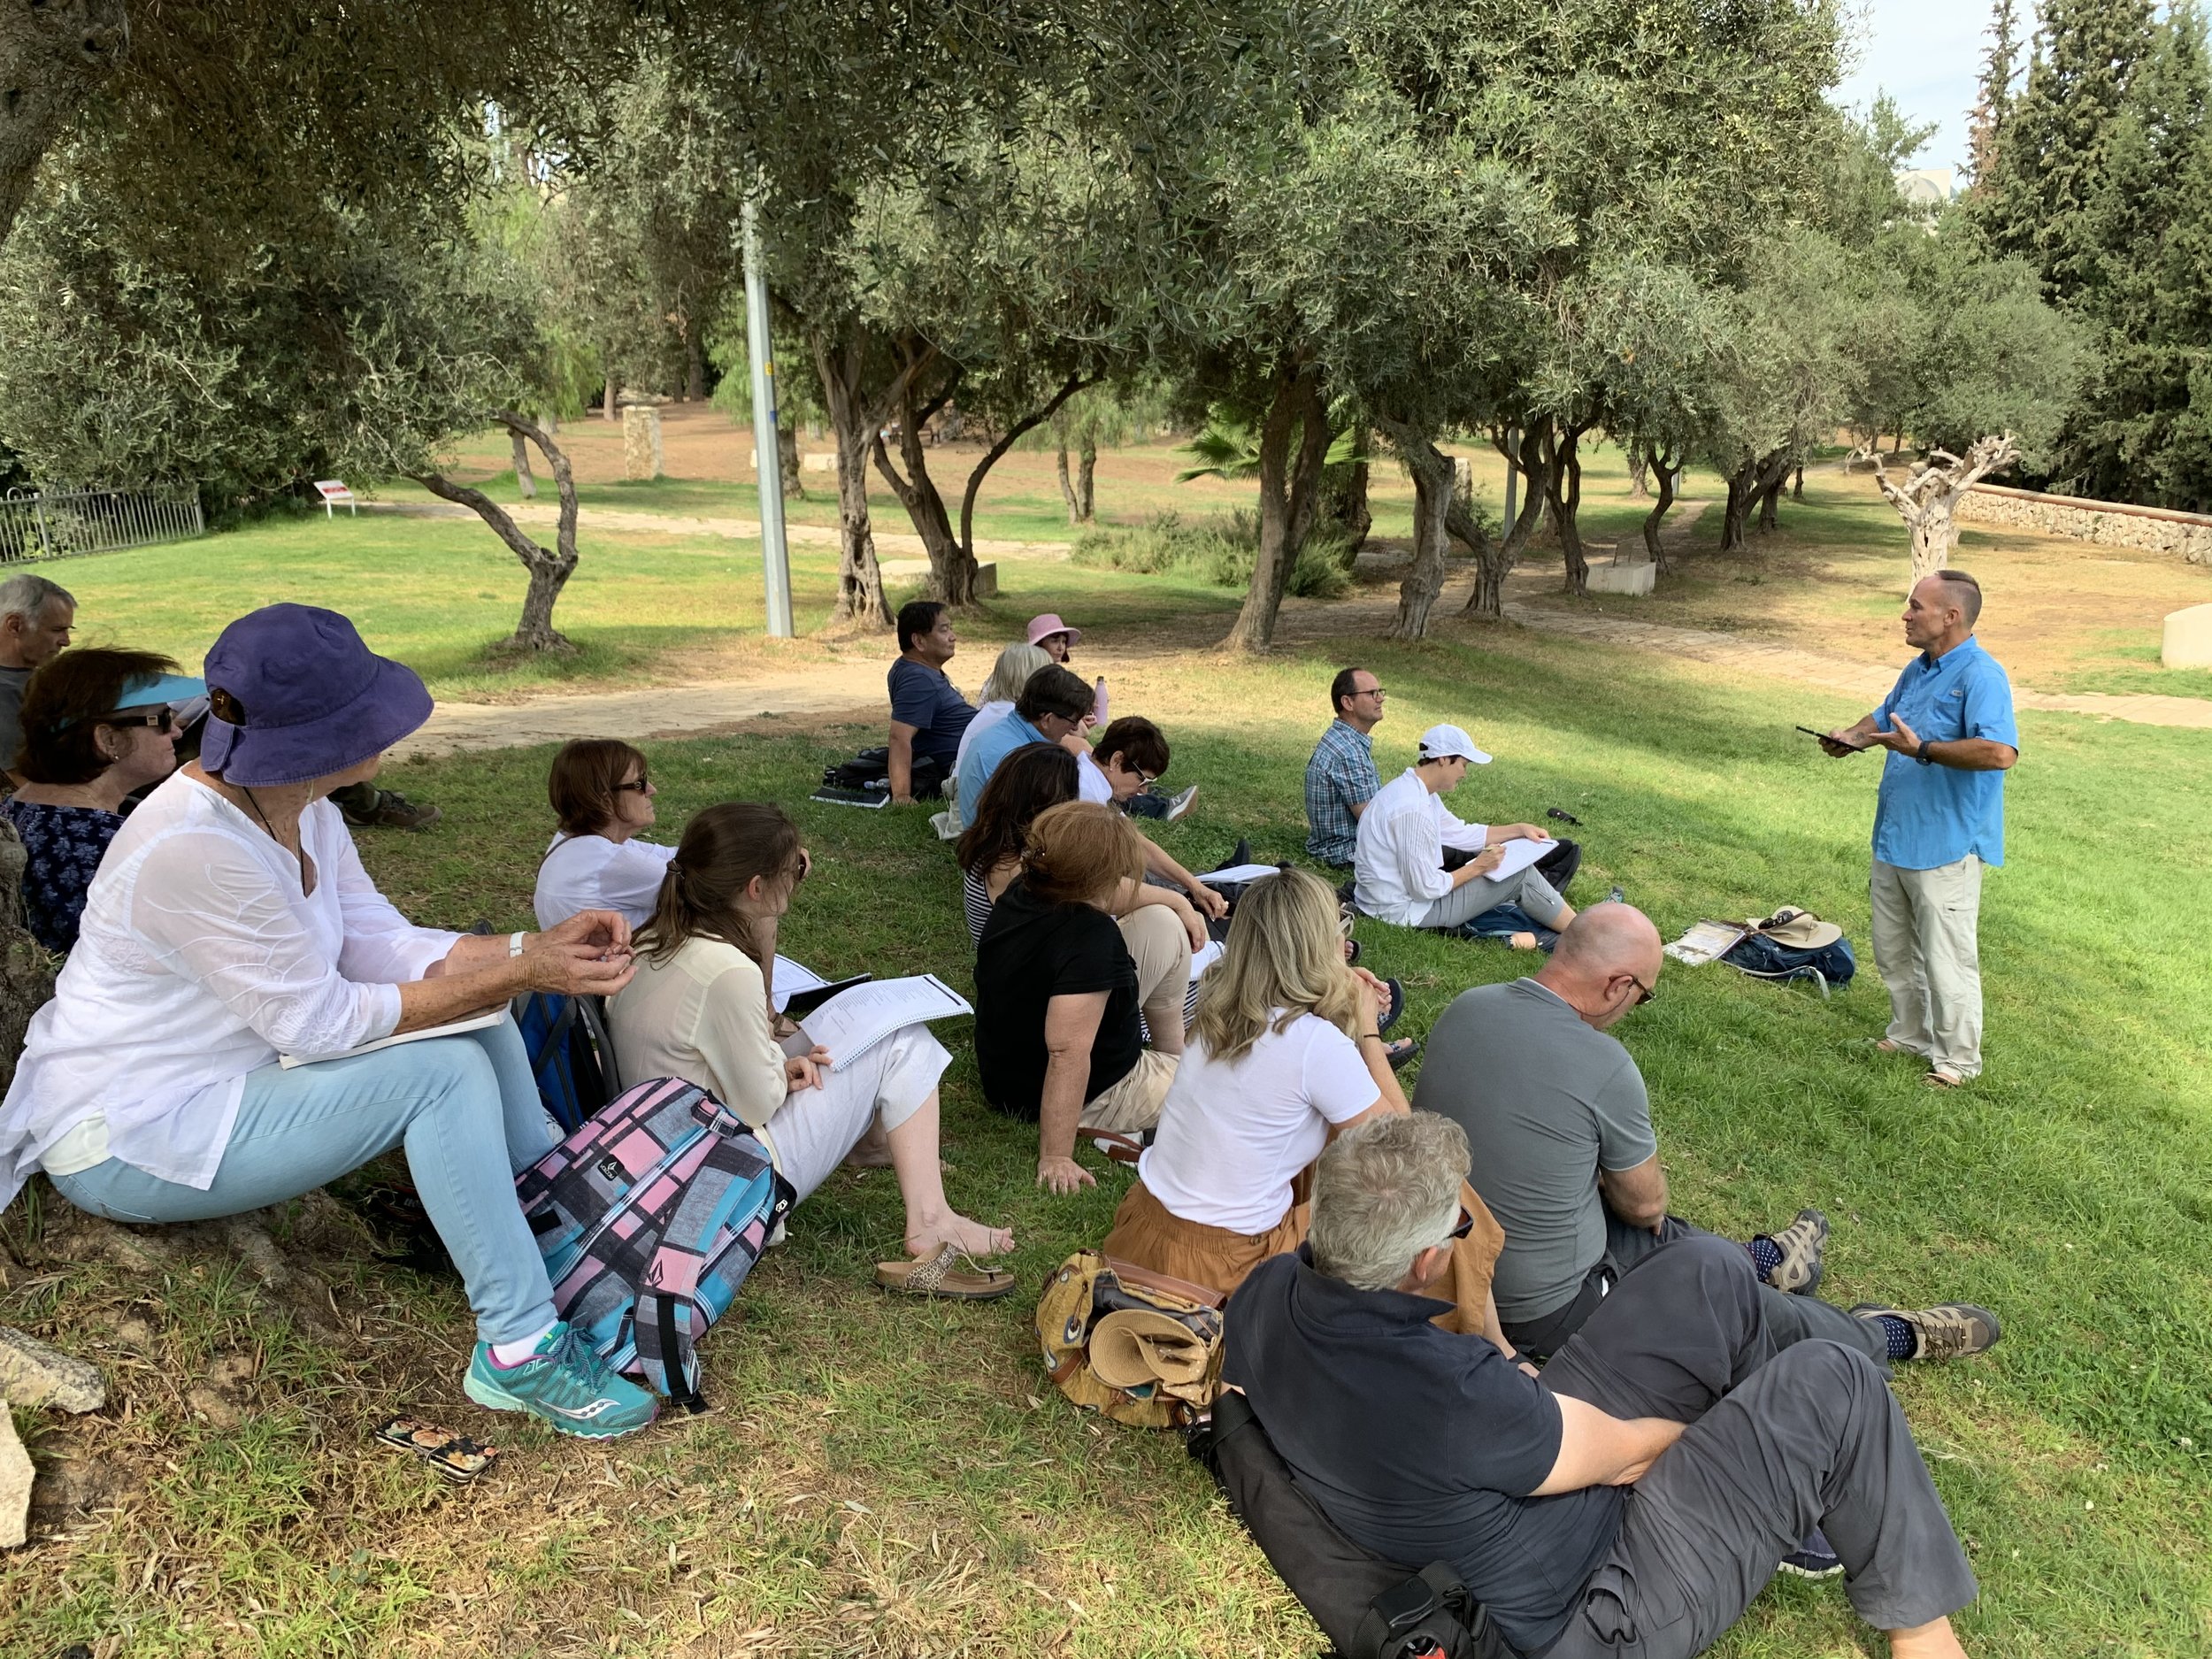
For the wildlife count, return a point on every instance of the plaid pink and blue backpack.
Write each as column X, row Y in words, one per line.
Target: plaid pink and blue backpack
column 650, row 1216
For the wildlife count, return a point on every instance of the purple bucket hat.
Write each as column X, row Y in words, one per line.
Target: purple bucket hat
column 311, row 699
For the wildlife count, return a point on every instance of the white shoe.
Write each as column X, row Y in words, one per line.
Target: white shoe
column 1181, row 803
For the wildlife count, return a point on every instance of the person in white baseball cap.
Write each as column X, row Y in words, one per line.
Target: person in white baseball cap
column 1398, row 860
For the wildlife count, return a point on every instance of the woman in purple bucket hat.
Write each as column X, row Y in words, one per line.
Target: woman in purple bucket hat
column 231, row 923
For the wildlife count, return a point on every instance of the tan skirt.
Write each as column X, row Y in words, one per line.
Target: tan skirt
column 1147, row 1233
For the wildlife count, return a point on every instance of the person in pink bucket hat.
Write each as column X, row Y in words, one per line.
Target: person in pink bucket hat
column 1055, row 637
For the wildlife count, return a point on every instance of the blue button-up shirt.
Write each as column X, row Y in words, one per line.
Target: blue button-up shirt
column 1341, row 775
column 992, row 745
column 1929, row 815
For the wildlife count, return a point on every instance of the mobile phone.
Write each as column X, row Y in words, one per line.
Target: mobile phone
column 1824, row 738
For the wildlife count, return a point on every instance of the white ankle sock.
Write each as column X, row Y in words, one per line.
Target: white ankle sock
column 514, row 1353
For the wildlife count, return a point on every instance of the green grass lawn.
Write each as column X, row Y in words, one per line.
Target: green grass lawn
column 896, row 1478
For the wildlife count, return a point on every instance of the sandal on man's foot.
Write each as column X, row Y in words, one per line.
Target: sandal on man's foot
column 1942, row 1076
column 936, row 1276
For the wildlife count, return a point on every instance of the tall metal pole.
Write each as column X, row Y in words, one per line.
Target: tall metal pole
column 774, row 552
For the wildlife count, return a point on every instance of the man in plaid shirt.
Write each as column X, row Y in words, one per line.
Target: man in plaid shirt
column 1341, row 778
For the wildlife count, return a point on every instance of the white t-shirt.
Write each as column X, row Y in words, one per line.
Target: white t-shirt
column 590, row 872
column 1233, row 1136
column 1091, row 782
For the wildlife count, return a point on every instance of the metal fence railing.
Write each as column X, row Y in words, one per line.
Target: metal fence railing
column 64, row 524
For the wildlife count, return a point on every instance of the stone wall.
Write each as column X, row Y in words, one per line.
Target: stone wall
column 2114, row 523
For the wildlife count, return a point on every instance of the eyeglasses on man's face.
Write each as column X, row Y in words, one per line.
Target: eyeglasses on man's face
column 1644, row 993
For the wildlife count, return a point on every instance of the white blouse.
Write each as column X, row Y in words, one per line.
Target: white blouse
column 590, row 872
column 198, row 961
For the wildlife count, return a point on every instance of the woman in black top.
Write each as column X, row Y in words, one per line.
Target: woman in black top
column 1060, row 984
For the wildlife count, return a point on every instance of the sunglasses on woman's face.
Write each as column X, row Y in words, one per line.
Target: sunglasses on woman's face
column 642, row 784
column 162, row 720
column 1466, row 1223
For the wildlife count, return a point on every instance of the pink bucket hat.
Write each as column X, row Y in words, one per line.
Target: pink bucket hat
column 1043, row 627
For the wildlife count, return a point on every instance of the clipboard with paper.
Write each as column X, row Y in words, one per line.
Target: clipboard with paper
column 854, row 1021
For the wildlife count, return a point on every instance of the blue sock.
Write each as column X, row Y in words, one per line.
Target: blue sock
column 1766, row 1256
column 1899, row 1334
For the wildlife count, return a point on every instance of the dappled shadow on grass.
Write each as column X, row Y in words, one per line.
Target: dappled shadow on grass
column 885, row 1477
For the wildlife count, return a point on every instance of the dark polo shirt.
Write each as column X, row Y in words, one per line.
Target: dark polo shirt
column 1421, row 1445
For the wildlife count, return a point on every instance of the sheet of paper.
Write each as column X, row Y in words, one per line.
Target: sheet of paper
column 1519, row 855
column 1202, row 959
column 1708, row 942
column 1237, row 873
column 451, row 1028
column 853, row 1022
column 791, row 978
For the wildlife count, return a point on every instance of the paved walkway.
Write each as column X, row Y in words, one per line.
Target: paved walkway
column 686, row 524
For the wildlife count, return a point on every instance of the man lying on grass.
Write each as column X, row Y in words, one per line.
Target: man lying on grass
column 1632, row 1500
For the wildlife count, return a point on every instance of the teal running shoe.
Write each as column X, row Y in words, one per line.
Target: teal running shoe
column 566, row 1384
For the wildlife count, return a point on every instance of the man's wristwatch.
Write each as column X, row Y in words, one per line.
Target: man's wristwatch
column 1920, row 753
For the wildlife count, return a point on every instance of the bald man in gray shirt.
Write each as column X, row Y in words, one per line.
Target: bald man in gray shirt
column 1562, row 1150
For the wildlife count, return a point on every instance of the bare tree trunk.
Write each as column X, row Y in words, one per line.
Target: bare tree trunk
column 51, row 58
column 1774, row 472
column 925, row 504
column 1036, row 418
column 1929, row 498
column 1797, row 484
column 694, row 365
column 854, row 424
column 787, row 459
column 1562, row 491
column 1434, row 500
column 549, row 568
column 1087, row 479
column 1733, row 539
column 1346, row 504
column 1639, row 474
column 1296, row 406
column 1067, row 488
column 1495, row 563
column 1666, row 473
column 606, row 400
column 525, row 484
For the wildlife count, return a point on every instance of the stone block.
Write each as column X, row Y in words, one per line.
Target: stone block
column 2188, row 641
column 1638, row 579
column 16, row 1475
column 33, row 1374
column 986, row 581
column 823, row 461
column 641, row 456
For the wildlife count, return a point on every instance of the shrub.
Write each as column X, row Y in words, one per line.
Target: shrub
column 1219, row 551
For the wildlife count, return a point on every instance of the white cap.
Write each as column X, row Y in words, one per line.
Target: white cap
column 1446, row 742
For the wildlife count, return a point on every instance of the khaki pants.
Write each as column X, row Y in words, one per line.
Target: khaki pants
column 1925, row 946
column 1161, row 949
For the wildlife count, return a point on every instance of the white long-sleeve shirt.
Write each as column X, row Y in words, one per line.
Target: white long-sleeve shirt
column 1398, row 857
column 590, row 872
column 198, row 961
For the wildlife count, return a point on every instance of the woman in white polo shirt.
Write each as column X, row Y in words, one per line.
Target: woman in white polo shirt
column 603, row 799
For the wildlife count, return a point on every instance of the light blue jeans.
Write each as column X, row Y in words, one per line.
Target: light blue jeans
column 465, row 1108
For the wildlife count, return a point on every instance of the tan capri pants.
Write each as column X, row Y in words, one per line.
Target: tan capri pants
column 1161, row 949
column 1925, row 944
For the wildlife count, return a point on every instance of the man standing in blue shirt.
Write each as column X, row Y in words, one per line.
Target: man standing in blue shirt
column 1940, row 819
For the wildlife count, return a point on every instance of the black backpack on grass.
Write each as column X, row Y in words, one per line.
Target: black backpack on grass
column 871, row 769
column 1368, row 1608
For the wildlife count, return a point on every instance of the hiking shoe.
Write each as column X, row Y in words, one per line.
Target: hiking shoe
column 393, row 810
column 1179, row 804
column 1951, row 1330
column 1815, row 1558
column 1802, row 1244
column 566, row 1384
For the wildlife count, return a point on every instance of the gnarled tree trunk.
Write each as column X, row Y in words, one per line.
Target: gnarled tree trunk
column 1563, row 495
column 1927, row 500
column 1067, row 487
column 854, row 423
column 788, row 463
column 1736, row 509
column 1434, row 500
column 53, row 53
column 1289, row 490
column 1639, row 474
column 1086, row 481
column 1494, row 561
column 1666, row 470
column 526, row 485
column 549, row 568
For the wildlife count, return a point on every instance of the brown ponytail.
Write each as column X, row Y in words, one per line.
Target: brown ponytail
column 723, row 849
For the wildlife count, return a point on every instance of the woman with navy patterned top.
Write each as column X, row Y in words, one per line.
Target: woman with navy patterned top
column 96, row 725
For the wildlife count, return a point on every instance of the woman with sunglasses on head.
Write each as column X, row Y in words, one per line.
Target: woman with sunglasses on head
column 1283, row 1054
column 603, row 799
column 698, row 1010
column 97, row 727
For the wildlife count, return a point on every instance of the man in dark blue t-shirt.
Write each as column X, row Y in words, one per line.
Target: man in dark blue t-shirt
column 1636, row 1497
column 928, row 714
